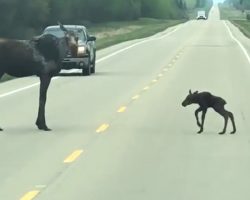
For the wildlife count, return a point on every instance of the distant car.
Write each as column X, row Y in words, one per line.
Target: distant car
column 86, row 55
column 201, row 14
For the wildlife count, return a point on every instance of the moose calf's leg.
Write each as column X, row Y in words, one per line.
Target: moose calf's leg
column 202, row 120
column 219, row 108
column 44, row 84
column 225, row 124
column 225, row 115
column 231, row 116
column 197, row 117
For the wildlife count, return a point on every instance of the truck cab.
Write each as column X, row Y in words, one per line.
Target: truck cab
column 201, row 14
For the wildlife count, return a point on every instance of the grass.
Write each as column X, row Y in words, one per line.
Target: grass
column 6, row 77
column 228, row 12
column 237, row 17
column 243, row 25
column 117, row 32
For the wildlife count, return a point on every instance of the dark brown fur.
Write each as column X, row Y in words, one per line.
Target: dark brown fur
column 40, row 56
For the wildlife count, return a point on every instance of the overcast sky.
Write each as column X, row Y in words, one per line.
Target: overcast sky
column 218, row 1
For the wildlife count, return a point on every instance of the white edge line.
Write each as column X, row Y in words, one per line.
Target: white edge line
column 138, row 43
column 121, row 50
column 238, row 42
column 23, row 88
column 18, row 90
column 98, row 61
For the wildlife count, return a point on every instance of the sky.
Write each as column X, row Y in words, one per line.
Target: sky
column 218, row 1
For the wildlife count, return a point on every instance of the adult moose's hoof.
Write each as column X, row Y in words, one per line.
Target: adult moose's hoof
column 233, row 132
column 200, row 131
column 43, row 127
column 221, row 133
column 1, row 129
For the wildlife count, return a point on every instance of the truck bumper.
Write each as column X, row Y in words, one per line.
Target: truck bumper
column 75, row 63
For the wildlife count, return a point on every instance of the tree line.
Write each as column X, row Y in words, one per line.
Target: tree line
column 20, row 18
column 239, row 4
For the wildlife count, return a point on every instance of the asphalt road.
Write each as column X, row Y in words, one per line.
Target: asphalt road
column 122, row 133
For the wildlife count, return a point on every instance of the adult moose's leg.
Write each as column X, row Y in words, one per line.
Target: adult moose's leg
column 1, row 74
column 202, row 120
column 44, row 84
column 197, row 117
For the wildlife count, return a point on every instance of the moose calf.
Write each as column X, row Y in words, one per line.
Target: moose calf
column 207, row 100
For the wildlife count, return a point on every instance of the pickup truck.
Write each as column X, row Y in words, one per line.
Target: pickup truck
column 86, row 55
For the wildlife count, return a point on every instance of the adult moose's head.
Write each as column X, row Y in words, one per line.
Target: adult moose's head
column 71, row 41
column 191, row 98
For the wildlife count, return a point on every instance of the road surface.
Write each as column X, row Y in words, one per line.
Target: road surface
column 122, row 133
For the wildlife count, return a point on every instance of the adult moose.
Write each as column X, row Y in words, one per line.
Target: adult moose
column 205, row 101
column 40, row 56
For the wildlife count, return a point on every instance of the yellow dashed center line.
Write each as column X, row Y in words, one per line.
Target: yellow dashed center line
column 102, row 128
column 30, row 195
column 72, row 157
column 122, row 109
column 136, row 97
column 40, row 186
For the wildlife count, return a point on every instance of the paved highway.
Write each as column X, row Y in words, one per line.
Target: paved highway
column 122, row 133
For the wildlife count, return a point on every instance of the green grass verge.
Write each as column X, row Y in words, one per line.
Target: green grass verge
column 243, row 25
column 141, row 28
column 235, row 16
column 129, row 30
column 6, row 77
column 228, row 12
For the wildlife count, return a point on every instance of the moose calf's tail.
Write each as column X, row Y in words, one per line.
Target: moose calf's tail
column 223, row 101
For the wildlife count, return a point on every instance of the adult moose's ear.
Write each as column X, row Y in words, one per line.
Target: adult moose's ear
column 62, row 27
column 190, row 92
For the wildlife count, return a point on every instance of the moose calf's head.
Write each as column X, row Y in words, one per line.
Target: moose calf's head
column 190, row 98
